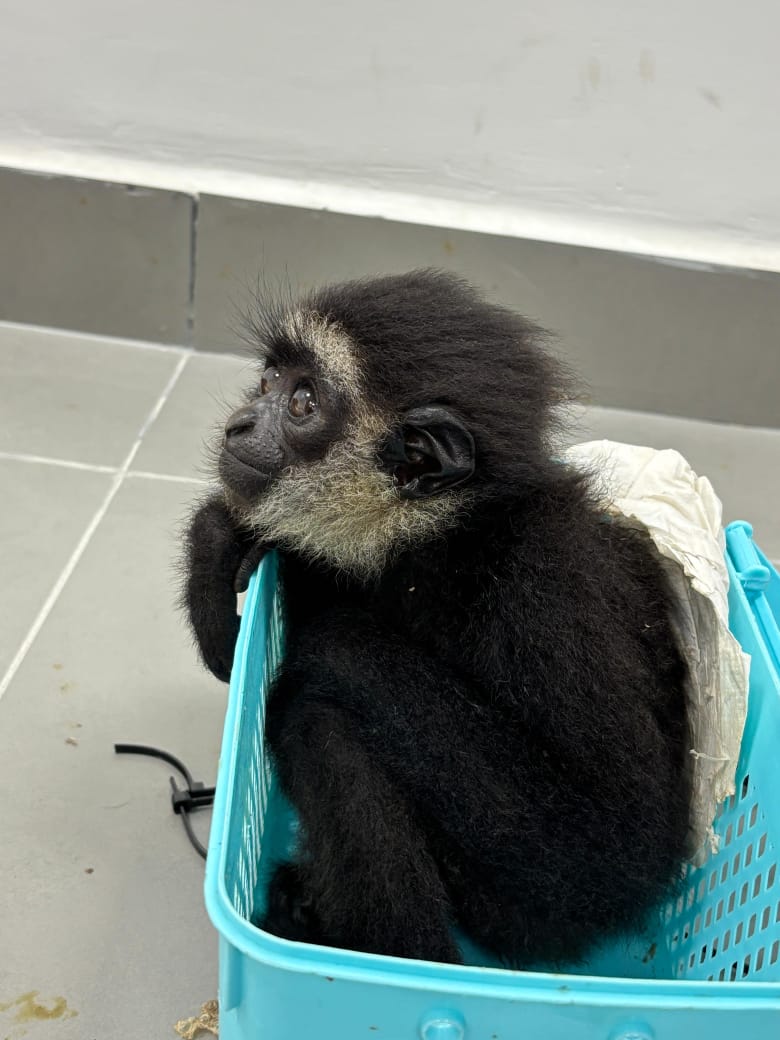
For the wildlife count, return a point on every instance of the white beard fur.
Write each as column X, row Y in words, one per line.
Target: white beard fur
column 343, row 510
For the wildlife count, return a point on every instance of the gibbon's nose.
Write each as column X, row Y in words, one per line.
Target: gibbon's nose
column 242, row 421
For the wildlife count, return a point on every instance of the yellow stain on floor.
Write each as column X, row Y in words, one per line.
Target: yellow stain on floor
column 30, row 1009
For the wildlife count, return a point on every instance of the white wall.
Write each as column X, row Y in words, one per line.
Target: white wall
column 649, row 126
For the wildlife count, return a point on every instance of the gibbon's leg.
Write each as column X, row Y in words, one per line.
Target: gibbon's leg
column 374, row 744
column 366, row 879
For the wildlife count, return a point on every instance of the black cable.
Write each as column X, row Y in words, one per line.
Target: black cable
column 199, row 848
column 183, row 801
column 153, row 752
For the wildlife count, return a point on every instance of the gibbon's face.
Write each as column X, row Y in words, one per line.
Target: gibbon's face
column 313, row 466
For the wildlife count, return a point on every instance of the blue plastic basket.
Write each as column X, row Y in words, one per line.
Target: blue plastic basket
column 710, row 968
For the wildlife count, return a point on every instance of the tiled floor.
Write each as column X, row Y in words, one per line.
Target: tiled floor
column 99, row 458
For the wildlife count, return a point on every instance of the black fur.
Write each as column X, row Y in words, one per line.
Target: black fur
column 492, row 733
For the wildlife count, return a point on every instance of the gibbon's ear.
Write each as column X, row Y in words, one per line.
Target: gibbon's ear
column 430, row 451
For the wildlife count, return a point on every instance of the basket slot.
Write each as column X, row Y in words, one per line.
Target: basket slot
column 723, row 914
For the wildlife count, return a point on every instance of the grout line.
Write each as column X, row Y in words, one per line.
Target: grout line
column 89, row 467
column 171, row 477
column 45, row 460
column 194, row 215
column 585, row 412
column 59, row 585
column 86, row 537
column 152, row 416
column 96, row 338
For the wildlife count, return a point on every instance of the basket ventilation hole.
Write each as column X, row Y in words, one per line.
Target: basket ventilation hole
column 753, row 816
column 773, row 953
column 771, row 874
column 745, row 785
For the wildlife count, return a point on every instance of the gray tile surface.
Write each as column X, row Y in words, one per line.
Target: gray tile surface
column 644, row 334
column 107, row 902
column 45, row 510
column 206, row 392
column 104, row 258
column 72, row 397
column 104, row 904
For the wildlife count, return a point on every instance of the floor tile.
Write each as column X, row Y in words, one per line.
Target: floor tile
column 107, row 907
column 45, row 510
column 207, row 391
column 78, row 398
column 107, row 258
column 741, row 462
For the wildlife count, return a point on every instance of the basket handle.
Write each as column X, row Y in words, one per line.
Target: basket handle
column 752, row 574
column 230, row 975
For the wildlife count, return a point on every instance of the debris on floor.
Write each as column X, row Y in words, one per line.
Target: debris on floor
column 199, row 1025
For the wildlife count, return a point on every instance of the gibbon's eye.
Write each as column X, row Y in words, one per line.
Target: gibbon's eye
column 302, row 402
column 270, row 376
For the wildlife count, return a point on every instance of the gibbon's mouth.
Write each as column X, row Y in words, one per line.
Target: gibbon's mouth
column 242, row 477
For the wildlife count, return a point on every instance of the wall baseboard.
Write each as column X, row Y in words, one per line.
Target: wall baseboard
column 654, row 334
